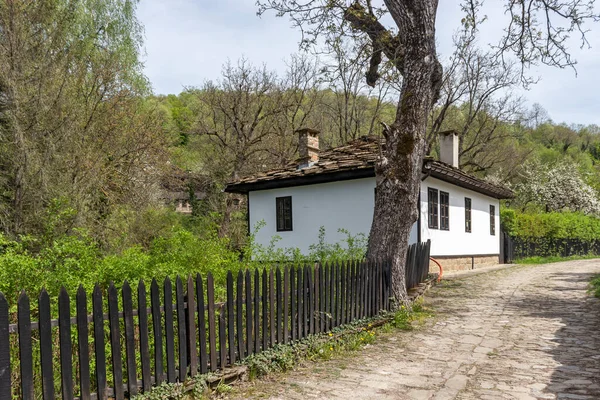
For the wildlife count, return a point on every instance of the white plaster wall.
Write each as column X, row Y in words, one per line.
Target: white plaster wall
column 456, row 241
column 349, row 205
column 345, row 204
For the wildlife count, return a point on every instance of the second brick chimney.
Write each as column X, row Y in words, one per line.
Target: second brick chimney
column 308, row 146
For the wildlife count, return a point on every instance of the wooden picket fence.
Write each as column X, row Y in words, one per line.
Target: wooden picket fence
column 183, row 331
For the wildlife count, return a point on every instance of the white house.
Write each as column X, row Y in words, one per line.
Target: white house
column 336, row 189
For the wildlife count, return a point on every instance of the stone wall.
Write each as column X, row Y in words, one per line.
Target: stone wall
column 450, row 263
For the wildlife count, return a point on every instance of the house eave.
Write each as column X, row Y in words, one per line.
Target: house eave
column 458, row 178
column 345, row 175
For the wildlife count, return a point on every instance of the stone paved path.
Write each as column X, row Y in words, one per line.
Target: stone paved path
column 520, row 333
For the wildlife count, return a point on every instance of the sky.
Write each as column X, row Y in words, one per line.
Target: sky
column 188, row 41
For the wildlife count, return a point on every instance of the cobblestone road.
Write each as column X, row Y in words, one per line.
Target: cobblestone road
column 519, row 333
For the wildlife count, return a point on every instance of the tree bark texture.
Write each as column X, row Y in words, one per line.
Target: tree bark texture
column 398, row 170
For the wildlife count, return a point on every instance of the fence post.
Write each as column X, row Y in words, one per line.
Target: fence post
column 25, row 349
column 83, row 345
column 157, row 330
column 46, row 345
column 4, row 350
column 191, row 325
column 169, row 331
column 115, row 342
column 212, row 340
column 181, row 329
column 99, row 348
column 230, row 318
column 144, row 342
column 129, row 338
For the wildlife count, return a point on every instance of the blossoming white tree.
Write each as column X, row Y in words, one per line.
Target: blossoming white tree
column 559, row 187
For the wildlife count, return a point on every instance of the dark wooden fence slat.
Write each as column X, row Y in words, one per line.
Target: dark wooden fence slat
column 363, row 299
column 352, row 268
column 257, row 311
column 333, row 296
column 25, row 349
column 300, row 287
column 45, row 345
column 323, row 295
column 379, row 287
column 83, row 344
column 338, row 297
column 278, row 308
column 130, row 360
column 351, row 289
column 373, row 287
column 115, row 342
column 240, row 314
column 271, row 308
column 99, row 344
column 222, row 338
column 201, row 324
column 311, row 300
column 327, row 310
column 343, row 284
column 212, row 335
column 376, row 308
column 230, row 319
column 320, row 299
column 384, row 281
column 157, row 330
column 144, row 341
column 357, row 290
column 191, row 326
column 306, row 302
column 286, row 303
column 181, row 329
column 369, row 266
column 293, row 302
column 348, row 296
column 317, row 286
column 5, row 371
column 64, row 340
column 265, row 310
column 169, row 331
column 249, row 329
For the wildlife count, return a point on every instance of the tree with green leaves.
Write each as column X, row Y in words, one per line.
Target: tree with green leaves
column 408, row 43
column 75, row 127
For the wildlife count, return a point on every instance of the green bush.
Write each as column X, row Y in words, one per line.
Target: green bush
column 76, row 259
column 554, row 225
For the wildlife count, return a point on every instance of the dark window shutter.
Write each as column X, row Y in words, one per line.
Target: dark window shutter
column 432, row 206
column 283, row 207
column 468, row 224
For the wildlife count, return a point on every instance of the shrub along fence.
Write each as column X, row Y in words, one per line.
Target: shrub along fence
column 182, row 331
column 516, row 248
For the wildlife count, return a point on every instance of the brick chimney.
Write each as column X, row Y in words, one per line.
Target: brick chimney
column 308, row 146
column 449, row 148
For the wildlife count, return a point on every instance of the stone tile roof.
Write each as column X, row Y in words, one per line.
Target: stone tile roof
column 354, row 160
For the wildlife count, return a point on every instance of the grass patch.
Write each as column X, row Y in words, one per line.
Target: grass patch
column 553, row 259
column 595, row 286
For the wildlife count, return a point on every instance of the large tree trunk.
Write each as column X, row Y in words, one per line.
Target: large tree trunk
column 398, row 170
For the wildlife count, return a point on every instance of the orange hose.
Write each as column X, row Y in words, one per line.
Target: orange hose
column 440, row 266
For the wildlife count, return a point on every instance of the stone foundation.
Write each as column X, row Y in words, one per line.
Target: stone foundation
column 462, row 263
